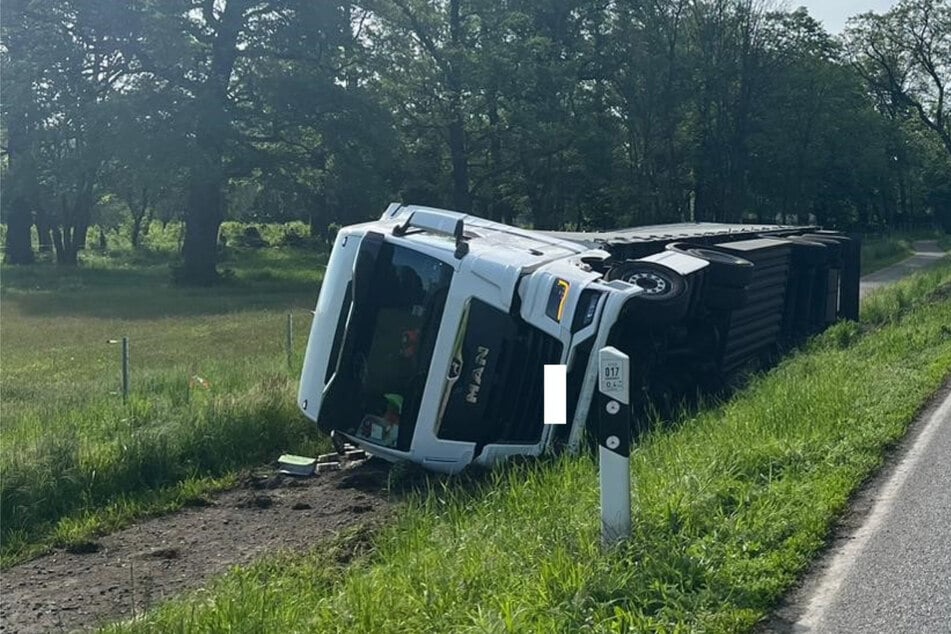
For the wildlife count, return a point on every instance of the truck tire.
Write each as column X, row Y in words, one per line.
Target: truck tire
column 726, row 269
column 665, row 297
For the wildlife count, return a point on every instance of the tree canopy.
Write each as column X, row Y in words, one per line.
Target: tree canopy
column 549, row 113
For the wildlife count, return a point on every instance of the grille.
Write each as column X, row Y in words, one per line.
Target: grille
column 516, row 402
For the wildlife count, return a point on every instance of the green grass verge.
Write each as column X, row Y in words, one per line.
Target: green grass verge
column 878, row 253
column 883, row 251
column 212, row 392
column 730, row 506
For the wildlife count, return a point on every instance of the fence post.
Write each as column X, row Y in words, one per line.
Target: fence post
column 290, row 341
column 614, row 444
column 125, row 370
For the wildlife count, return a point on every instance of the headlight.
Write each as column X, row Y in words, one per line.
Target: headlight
column 586, row 310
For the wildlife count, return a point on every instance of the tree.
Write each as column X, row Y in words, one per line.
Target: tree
column 19, row 180
column 144, row 168
column 213, row 59
column 553, row 113
column 324, row 144
column 424, row 47
column 906, row 55
column 647, row 67
column 818, row 146
column 64, row 75
column 727, row 45
column 19, row 114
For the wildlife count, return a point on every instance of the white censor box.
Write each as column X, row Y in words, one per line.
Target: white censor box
column 556, row 395
column 614, row 444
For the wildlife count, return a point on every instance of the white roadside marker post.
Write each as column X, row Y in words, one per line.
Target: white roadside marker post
column 614, row 444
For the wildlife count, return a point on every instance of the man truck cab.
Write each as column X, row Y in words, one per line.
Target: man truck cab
column 432, row 327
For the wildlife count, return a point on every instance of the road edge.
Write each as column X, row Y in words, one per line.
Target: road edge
column 847, row 537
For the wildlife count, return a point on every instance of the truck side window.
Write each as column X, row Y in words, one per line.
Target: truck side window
column 383, row 345
column 338, row 334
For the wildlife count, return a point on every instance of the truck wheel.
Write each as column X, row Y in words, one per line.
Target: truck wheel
column 664, row 297
column 725, row 268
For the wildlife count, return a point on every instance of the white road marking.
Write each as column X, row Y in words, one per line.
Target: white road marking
column 843, row 560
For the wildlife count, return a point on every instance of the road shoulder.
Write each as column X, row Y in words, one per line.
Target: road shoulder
column 800, row 610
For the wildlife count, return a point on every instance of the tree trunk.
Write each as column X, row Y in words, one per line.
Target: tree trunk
column 460, row 164
column 203, row 215
column 21, row 173
column 82, row 214
column 140, row 214
column 457, row 131
column 495, row 149
column 736, row 181
column 58, row 243
column 674, row 191
column 317, row 218
column 69, row 234
column 317, row 225
column 64, row 239
column 136, row 231
column 81, row 234
column 19, row 245
column 204, row 209
column 43, row 230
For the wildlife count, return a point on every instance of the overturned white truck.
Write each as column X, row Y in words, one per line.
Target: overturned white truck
column 432, row 327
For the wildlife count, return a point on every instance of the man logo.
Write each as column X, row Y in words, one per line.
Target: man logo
column 475, row 379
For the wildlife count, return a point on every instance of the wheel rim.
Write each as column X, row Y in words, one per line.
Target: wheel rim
column 651, row 283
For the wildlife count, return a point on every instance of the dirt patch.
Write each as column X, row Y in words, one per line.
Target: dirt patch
column 125, row 573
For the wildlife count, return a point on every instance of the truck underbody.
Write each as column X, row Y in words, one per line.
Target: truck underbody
column 433, row 328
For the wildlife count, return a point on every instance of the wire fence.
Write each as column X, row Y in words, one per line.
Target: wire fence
column 126, row 344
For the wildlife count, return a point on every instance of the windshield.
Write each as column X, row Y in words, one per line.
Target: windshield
column 398, row 300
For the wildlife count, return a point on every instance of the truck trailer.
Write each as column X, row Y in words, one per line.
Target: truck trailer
column 433, row 327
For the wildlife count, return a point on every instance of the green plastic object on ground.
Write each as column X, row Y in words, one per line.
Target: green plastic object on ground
column 290, row 464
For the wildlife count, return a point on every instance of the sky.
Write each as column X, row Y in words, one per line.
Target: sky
column 834, row 13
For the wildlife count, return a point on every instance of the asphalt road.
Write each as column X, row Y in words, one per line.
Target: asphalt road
column 926, row 253
column 889, row 567
column 893, row 573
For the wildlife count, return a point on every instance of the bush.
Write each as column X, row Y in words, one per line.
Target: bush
column 294, row 234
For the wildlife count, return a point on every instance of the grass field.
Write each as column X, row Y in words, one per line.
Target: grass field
column 211, row 388
column 212, row 392
column 731, row 504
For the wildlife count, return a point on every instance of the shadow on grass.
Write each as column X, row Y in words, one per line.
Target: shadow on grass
column 123, row 288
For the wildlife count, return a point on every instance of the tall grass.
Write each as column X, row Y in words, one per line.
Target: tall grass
column 729, row 508
column 211, row 388
column 879, row 252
